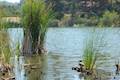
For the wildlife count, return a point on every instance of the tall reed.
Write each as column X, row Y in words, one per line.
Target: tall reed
column 5, row 52
column 93, row 49
column 35, row 18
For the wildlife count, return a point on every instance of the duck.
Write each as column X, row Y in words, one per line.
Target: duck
column 80, row 68
column 76, row 69
column 117, row 67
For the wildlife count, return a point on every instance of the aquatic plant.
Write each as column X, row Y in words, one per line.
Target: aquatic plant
column 17, row 49
column 5, row 52
column 92, row 50
column 35, row 18
column 90, row 56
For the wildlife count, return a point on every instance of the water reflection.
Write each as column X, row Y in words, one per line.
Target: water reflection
column 18, row 68
column 30, row 68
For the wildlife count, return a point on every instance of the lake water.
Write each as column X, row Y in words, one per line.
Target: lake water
column 65, row 48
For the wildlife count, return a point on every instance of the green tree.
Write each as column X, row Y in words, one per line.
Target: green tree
column 110, row 18
column 58, row 7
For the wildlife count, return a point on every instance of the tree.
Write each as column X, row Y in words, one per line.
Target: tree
column 58, row 7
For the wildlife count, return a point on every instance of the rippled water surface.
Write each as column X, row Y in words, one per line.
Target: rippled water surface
column 65, row 48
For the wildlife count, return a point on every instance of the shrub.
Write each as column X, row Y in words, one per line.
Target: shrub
column 110, row 18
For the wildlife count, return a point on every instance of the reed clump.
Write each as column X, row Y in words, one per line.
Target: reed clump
column 36, row 15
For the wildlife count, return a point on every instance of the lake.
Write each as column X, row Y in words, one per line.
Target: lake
column 65, row 48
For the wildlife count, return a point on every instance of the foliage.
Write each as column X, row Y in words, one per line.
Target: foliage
column 88, row 7
column 35, row 18
column 90, row 56
column 92, row 51
column 58, row 7
column 110, row 19
column 17, row 50
column 4, row 41
column 92, row 21
column 3, row 23
column 66, row 20
column 1, row 16
column 5, row 52
column 10, row 9
column 6, row 10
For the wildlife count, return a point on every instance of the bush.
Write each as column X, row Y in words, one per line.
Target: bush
column 110, row 19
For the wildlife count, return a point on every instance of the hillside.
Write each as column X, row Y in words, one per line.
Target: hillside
column 10, row 9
